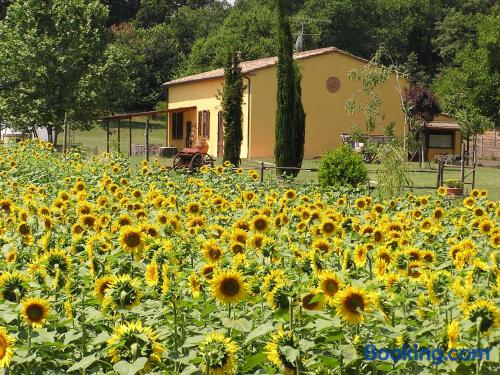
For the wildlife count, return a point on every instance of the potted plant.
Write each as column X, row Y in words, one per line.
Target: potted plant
column 454, row 187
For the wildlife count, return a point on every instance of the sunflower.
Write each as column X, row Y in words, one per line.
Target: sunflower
column 193, row 208
column 438, row 213
column 485, row 310
column 211, row 251
column 229, row 287
column 57, row 261
column 101, row 285
column 260, row 223
column 275, row 354
column 124, row 344
column 478, row 211
column 13, row 286
column 352, row 303
column 123, row 292
column 485, row 226
column 360, row 255
column 218, row 354
column 131, row 239
column 35, row 311
column 6, row 347
column 194, row 285
column 329, row 284
column 328, row 227
column 426, row 225
column 23, row 229
column 207, row 271
column 360, row 203
column 152, row 276
column 313, row 300
column 495, row 241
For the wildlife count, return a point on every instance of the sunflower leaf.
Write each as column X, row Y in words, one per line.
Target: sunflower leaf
column 290, row 353
column 253, row 362
column 83, row 363
column 126, row 368
column 259, row 331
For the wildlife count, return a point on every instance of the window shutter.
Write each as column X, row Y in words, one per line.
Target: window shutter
column 173, row 125
column 207, row 134
column 200, row 122
column 180, row 131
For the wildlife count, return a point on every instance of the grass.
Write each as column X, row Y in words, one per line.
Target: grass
column 94, row 141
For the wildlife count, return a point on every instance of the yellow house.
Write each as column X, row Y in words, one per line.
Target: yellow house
column 194, row 105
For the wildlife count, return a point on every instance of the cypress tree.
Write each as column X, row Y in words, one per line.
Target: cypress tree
column 232, row 113
column 290, row 116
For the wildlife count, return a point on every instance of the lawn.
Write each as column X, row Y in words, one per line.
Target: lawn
column 94, row 141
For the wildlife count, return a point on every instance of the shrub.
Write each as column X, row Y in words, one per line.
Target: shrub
column 342, row 167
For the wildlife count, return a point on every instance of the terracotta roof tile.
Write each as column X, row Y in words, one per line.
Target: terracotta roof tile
column 250, row 66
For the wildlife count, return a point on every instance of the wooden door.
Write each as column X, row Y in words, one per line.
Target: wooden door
column 220, row 135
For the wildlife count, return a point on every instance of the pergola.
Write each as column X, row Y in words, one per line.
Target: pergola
column 129, row 116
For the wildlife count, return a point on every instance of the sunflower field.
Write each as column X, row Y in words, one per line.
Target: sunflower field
column 110, row 270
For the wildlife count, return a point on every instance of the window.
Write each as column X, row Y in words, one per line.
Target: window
column 204, row 124
column 177, row 125
column 441, row 140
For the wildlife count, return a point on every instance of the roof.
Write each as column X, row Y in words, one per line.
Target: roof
column 253, row 65
column 443, row 125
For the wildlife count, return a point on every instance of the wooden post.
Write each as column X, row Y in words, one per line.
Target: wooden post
column 438, row 180
column 146, row 138
column 166, row 132
column 107, row 136
column 261, row 172
column 462, row 165
column 474, row 162
column 65, row 139
column 482, row 146
column 130, row 136
column 119, row 135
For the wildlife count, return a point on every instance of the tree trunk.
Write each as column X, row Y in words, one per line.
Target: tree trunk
column 49, row 134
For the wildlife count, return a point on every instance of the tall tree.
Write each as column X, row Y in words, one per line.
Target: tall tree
column 232, row 99
column 48, row 51
column 121, row 10
column 290, row 116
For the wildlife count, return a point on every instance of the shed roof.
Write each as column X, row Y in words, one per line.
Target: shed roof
column 253, row 65
column 443, row 125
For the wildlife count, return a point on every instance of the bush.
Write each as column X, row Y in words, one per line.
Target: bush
column 342, row 167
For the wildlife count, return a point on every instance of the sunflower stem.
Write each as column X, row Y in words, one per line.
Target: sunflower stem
column 82, row 323
column 229, row 310
column 175, row 325
column 291, row 314
column 478, row 344
column 29, row 349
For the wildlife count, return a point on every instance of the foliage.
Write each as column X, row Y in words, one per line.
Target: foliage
column 231, row 101
column 249, row 26
column 342, row 167
column 132, row 270
column 472, row 85
column 121, row 11
column 290, row 116
column 59, row 46
column 452, row 183
column 393, row 174
column 153, row 54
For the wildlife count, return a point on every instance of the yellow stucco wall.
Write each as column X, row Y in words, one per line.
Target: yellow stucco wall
column 203, row 96
column 326, row 116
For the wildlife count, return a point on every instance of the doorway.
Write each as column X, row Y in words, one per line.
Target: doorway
column 189, row 136
column 220, row 135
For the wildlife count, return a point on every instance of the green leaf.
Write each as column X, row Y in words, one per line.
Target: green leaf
column 83, row 363
column 253, row 362
column 126, row 368
column 71, row 336
column 189, row 370
column 242, row 325
column 101, row 338
column 290, row 353
column 259, row 331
